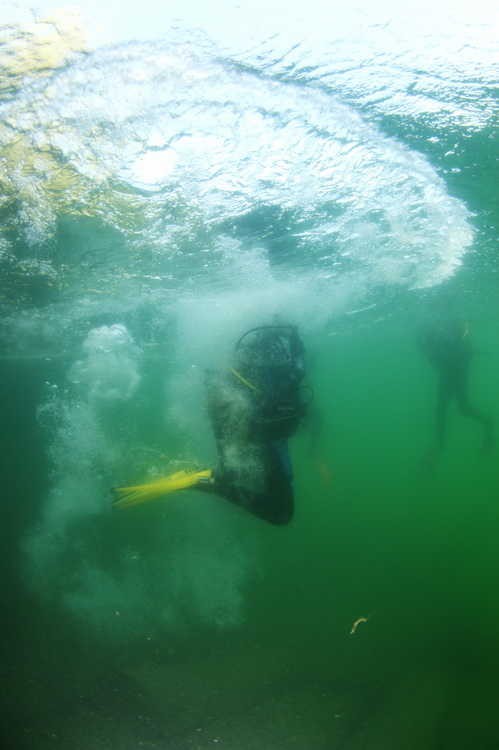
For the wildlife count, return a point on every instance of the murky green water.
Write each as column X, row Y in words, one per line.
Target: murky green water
column 187, row 187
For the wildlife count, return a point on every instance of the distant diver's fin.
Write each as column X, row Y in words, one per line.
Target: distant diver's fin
column 141, row 493
column 325, row 473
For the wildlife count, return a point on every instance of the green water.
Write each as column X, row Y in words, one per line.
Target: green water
column 349, row 187
column 416, row 557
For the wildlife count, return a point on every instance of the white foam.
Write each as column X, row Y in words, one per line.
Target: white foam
column 186, row 569
column 109, row 370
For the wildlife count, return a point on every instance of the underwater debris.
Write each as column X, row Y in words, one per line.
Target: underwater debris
column 357, row 623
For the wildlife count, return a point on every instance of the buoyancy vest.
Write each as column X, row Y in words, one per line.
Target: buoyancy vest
column 268, row 363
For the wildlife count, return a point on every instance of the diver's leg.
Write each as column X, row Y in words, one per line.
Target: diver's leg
column 471, row 412
column 275, row 503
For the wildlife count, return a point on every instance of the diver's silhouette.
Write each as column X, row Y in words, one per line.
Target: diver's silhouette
column 448, row 347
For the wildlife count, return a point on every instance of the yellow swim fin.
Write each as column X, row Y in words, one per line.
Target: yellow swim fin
column 141, row 493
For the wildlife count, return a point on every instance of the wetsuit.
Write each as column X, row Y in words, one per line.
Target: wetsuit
column 254, row 408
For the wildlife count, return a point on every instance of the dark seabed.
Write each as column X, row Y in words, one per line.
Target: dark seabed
column 166, row 185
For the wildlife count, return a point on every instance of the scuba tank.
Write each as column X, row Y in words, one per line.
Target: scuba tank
column 268, row 364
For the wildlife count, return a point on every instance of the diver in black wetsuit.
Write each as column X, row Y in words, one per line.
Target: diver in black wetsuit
column 448, row 348
column 254, row 408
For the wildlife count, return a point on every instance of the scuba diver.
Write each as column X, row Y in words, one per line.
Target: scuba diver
column 449, row 349
column 255, row 407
